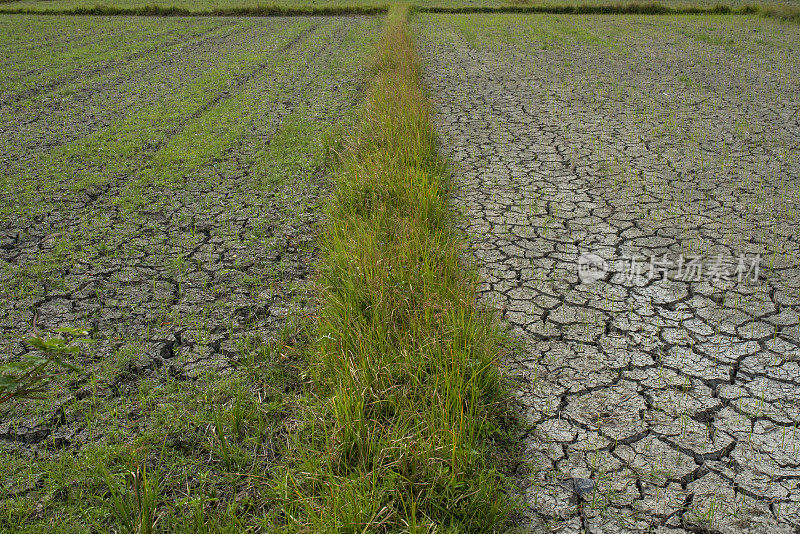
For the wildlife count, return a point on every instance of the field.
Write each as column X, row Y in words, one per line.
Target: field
column 218, row 6
column 162, row 194
column 401, row 272
column 637, row 137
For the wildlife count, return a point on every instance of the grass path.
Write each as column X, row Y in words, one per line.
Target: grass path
column 409, row 403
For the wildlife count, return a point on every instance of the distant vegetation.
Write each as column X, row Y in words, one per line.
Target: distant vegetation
column 783, row 11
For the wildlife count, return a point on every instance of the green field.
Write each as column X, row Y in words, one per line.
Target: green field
column 221, row 5
column 205, row 5
column 181, row 162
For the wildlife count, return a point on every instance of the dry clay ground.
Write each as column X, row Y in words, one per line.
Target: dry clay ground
column 164, row 195
column 677, row 394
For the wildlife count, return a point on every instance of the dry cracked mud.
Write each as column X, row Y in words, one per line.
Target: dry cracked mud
column 678, row 392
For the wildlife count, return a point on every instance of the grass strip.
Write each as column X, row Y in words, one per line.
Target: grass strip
column 407, row 427
column 174, row 11
column 782, row 12
column 630, row 8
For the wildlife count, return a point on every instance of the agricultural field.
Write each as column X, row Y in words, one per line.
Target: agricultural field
column 409, row 272
column 221, row 5
column 660, row 382
column 208, row 5
column 161, row 182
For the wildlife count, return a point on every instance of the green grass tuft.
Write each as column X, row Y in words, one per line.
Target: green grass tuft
column 410, row 402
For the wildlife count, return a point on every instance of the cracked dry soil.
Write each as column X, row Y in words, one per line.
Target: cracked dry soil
column 634, row 137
